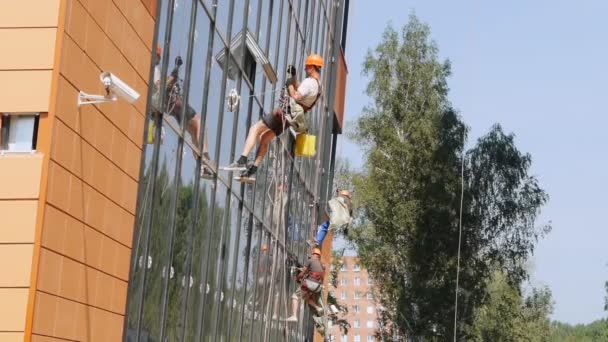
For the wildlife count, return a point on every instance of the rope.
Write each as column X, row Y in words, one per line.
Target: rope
column 459, row 237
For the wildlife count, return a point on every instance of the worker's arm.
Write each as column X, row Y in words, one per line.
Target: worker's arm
column 294, row 93
column 302, row 274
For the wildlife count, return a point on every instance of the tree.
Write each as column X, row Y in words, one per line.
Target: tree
column 506, row 316
column 409, row 193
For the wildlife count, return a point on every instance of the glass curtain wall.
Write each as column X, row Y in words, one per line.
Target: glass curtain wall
column 211, row 256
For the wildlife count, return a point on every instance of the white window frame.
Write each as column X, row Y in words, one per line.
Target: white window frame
column 370, row 324
column 356, row 324
column 356, row 268
column 370, row 309
column 357, row 295
column 357, row 281
column 344, row 295
column 357, row 338
column 343, row 281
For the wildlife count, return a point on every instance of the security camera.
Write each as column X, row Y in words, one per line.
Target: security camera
column 115, row 85
column 115, row 88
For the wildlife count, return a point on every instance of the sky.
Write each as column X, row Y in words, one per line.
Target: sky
column 540, row 69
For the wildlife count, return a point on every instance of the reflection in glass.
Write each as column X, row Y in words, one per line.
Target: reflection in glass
column 160, row 230
column 214, row 295
column 199, row 256
column 179, row 280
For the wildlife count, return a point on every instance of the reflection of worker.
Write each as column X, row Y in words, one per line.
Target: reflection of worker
column 174, row 106
column 303, row 97
column 311, row 279
column 340, row 215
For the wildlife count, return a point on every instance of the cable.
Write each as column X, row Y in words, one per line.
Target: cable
column 459, row 235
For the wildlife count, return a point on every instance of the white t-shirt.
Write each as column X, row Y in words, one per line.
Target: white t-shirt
column 308, row 89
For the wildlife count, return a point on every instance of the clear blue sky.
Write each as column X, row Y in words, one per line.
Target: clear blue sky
column 540, row 69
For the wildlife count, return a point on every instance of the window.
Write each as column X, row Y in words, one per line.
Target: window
column 19, row 132
column 343, row 281
column 343, row 268
column 370, row 309
column 357, row 338
column 370, row 296
column 370, row 324
column 370, row 338
column 343, row 297
column 356, row 324
column 253, row 53
column 357, row 295
column 356, row 308
column 356, row 268
column 357, row 281
column 369, row 281
column 344, row 338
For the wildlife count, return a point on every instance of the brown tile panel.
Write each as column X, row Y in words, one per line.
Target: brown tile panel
column 69, row 237
column 80, row 283
column 65, row 190
column 341, row 74
column 15, row 265
column 140, row 19
column 67, row 319
column 66, row 148
column 126, row 120
column 98, row 34
column 18, row 220
column 37, row 54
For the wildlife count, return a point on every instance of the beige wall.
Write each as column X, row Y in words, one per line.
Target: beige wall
column 27, row 29
column 18, row 205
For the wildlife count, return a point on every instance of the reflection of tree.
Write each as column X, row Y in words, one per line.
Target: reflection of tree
column 179, row 283
column 161, row 206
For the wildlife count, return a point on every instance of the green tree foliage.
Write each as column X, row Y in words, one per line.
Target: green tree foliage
column 409, row 193
column 596, row 331
column 506, row 316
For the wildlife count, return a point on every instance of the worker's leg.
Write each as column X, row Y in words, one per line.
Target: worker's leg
column 252, row 137
column 295, row 305
column 322, row 232
column 263, row 148
column 194, row 129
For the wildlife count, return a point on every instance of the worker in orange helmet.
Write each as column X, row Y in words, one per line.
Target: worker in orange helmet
column 303, row 97
column 341, row 213
column 193, row 123
column 311, row 280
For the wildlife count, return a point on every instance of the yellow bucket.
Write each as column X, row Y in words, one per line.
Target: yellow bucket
column 151, row 132
column 305, row 145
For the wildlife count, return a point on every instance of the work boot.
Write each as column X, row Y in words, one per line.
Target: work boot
column 249, row 172
column 238, row 165
column 206, row 172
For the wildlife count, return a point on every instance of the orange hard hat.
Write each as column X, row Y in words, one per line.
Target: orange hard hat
column 316, row 251
column 315, row 60
column 345, row 193
column 159, row 50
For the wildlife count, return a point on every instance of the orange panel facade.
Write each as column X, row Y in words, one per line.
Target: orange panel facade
column 68, row 206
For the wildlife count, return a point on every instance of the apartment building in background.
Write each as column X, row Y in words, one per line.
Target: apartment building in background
column 355, row 292
column 107, row 230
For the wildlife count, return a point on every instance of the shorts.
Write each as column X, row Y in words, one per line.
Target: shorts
column 275, row 121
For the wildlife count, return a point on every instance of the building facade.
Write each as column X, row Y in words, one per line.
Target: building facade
column 355, row 291
column 108, row 230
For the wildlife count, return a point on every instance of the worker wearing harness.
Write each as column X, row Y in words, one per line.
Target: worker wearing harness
column 340, row 216
column 303, row 97
column 311, row 280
